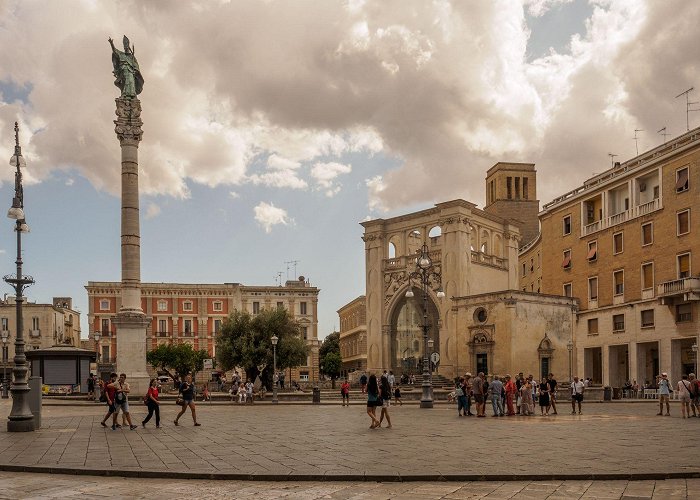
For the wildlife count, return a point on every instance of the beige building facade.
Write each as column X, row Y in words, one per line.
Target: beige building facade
column 194, row 314
column 476, row 252
column 45, row 325
column 626, row 244
column 507, row 332
column 353, row 337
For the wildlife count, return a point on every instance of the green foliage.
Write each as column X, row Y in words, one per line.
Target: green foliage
column 244, row 341
column 331, row 364
column 178, row 358
column 330, row 361
column 330, row 344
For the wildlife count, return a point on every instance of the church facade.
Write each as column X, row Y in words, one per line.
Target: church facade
column 475, row 252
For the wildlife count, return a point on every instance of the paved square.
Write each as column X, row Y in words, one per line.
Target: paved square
column 35, row 486
column 308, row 442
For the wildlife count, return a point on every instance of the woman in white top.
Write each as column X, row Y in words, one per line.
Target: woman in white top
column 684, row 396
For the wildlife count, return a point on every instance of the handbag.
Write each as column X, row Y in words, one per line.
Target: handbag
column 179, row 401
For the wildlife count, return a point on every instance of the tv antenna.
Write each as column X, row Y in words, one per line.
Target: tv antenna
column 636, row 139
column 278, row 278
column 663, row 132
column 688, row 103
column 292, row 263
column 612, row 159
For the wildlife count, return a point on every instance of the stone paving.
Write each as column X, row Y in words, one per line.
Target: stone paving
column 334, row 442
column 41, row 486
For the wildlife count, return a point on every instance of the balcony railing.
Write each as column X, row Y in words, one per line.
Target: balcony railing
column 162, row 334
column 489, row 260
column 186, row 334
column 689, row 288
column 625, row 216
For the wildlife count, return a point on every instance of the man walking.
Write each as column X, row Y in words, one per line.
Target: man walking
column 664, row 394
column 478, row 390
column 495, row 389
column 694, row 394
column 109, row 391
column 577, row 388
column 363, row 383
column 121, row 401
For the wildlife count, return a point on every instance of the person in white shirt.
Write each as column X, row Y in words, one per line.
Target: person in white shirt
column 684, row 388
column 577, row 388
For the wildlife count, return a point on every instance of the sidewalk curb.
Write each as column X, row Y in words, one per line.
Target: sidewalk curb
column 336, row 477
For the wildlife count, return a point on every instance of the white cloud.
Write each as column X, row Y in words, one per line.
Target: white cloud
column 70, row 182
column 268, row 215
column 325, row 175
column 234, row 195
column 152, row 210
column 442, row 88
column 375, row 187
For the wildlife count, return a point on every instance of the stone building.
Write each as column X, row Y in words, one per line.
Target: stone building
column 476, row 252
column 353, row 337
column 45, row 325
column 194, row 313
column 625, row 243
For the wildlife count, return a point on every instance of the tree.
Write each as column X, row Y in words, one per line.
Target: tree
column 245, row 341
column 179, row 358
column 330, row 360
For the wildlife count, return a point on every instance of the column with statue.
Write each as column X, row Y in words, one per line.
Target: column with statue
column 130, row 321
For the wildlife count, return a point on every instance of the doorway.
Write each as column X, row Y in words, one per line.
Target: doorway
column 482, row 363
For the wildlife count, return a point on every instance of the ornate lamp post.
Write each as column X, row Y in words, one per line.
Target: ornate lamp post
column 96, row 336
column 274, row 340
column 425, row 273
column 21, row 418
column 570, row 348
column 5, row 383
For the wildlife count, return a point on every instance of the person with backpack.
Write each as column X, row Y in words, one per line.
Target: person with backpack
column 684, row 388
column 152, row 403
column 121, row 401
column 694, row 394
column 665, row 391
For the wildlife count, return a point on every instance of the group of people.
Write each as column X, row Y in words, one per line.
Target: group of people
column 688, row 394
column 116, row 391
column 512, row 396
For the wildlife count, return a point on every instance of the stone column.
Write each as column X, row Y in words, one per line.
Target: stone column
column 130, row 321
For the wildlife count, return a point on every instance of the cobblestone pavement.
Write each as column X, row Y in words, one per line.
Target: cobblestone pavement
column 40, row 486
column 310, row 442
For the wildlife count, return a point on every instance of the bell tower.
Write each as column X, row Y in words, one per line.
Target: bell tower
column 511, row 193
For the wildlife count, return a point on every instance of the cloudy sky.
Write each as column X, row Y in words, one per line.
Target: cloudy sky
column 272, row 128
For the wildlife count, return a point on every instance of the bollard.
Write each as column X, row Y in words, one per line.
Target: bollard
column 316, row 396
column 35, row 400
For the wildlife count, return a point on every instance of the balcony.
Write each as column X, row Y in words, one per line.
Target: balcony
column 162, row 334
column 489, row 260
column 682, row 290
column 186, row 334
column 627, row 215
column 35, row 333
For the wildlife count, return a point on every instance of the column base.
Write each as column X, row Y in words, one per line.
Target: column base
column 21, row 425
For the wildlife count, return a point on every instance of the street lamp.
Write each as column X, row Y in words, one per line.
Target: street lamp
column 5, row 383
column 96, row 336
column 425, row 273
column 274, row 340
column 20, row 418
column 570, row 348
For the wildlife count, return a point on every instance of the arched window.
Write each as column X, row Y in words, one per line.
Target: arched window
column 435, row 232
column 392, row 250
